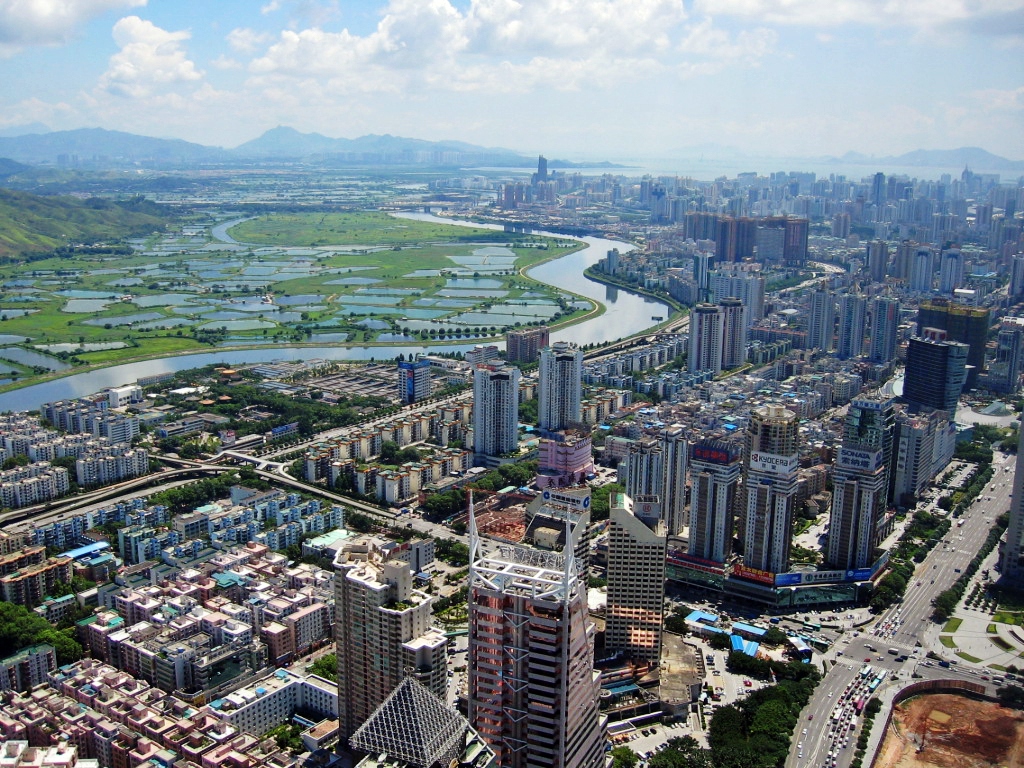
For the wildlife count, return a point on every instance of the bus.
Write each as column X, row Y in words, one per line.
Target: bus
column 859, row 706
column 866, row 671
column 874, row 684
column 811, row 626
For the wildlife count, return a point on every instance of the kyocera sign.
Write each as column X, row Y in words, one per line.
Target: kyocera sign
column 773, row 463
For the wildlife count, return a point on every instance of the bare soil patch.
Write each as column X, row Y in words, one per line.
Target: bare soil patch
column 958, row 733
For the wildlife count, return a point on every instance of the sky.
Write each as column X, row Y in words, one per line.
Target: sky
column 583, row 79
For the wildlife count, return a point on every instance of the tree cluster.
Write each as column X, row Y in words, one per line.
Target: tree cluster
column 21, row 627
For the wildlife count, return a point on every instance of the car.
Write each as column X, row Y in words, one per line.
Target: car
column 810, row 717
column 747, row 683
column 867, row 659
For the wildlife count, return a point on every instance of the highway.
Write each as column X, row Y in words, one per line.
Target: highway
column 903, row 627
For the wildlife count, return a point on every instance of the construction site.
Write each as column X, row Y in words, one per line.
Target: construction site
column 951, row 731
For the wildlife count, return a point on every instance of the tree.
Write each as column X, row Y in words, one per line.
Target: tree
column 624, row 757
column 326, row 666
column 774, row 636
column 720, row 641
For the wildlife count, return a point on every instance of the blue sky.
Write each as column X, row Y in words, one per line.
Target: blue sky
column 581, row 78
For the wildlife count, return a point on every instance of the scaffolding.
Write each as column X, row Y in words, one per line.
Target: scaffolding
column 415, row 726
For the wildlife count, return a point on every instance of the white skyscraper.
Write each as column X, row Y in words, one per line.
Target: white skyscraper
column 852, row 311
column 656, row 467
column 821, row 320
column 885, row 321
column 747, row 286
column 495, row 410
column 705, row 352
column 560, row 391
column 771, row 462
column 951, row 274
column 922, row 267
column 734, row 333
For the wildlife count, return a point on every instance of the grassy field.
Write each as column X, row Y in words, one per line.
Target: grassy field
column 947, row 641
column 357, row 228
column 158, row 301
column 952, row 625
column 967, row 657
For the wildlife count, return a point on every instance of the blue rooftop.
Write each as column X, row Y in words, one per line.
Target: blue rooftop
column 88, row 549
column 703, row 617
column 750, row 629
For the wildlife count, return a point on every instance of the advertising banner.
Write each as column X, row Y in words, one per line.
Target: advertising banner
column 772, row 463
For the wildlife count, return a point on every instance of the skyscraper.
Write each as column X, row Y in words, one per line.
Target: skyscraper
column 877, row 256
column 1011, row 552
column 821, row 320
column 860, row 482
column 383, row 632
column 413, row 380
column 1016, row 288
column 936, row 371
column 734, row 333
column 922, row 268
column 533, row 690
column 968, row 325
column 656, row 467
column 850, row 340
column 716, row 464
column 560, row 390
column 771, row 462
column 495, row 410
column 522, row 346
column 1004, row 372
column 705, row 352
column 951, row 271
column 746, row 285
column 636, row 582
column 885, row 321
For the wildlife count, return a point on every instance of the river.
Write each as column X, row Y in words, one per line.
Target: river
column 626, row 314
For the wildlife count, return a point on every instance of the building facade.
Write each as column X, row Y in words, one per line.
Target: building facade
column 560, row 388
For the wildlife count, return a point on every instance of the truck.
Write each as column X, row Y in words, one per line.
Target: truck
column 894, row 651
column 944, row 663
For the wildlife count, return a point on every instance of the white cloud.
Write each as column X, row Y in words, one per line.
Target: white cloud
column 247, row 40
column 25, row 23
column 999, row 17
column 994, row 99
column 150, row 60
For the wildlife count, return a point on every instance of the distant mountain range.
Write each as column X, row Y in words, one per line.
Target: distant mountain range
column 975, row 158
column 99, row 147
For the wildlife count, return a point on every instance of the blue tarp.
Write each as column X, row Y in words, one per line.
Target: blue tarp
column 750, row 629
column 702, row 616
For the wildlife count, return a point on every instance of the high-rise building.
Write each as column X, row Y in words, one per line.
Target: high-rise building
column 861, row 482
column 967, row 325
column 655, row 467
column 734, row 333
column 716, row 465
column 1016, row 288
column 703, row 262
column 383, row 632
column 936, row 371
column 705, row 352
column 413, row 380
column 495, row 410
column 533, row 690
column 1004, row 371
column 885, row 321
column 877, row 257
column 794, row 248
column 772, row 462
column 878, row 189
column 746, row 285
column 850, row 339
column 951, row 271
column 922, row 268
column 821, row 320
column 523, row 346
column 1011, row 551
column 560, row 390
column 924, row 444
column 636, row 582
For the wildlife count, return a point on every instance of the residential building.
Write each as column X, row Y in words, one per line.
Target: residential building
column 495, row 411
column 705, row 353
column 383, row 632
column 885, row 321
column 560, row 388
column 414, row 382
column 716, row 467
column 523, row 346
column 635, row 612
column 27, row 668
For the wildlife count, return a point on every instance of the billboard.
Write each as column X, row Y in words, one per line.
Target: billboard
column 711, row 454
column 821, row 577
column 853, row 458
column 773, row 464
column 754, row 574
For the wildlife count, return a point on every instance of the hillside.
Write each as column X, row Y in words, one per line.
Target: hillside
column 33, row 224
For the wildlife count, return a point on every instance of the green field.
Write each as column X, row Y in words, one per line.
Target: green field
column 947, row 641
column 952, row 625
column 368, row 228
column 394, row 281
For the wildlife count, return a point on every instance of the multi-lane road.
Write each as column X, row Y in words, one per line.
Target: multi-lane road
column 902, row 628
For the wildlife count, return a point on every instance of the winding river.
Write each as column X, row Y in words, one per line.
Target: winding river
column 626, row 313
